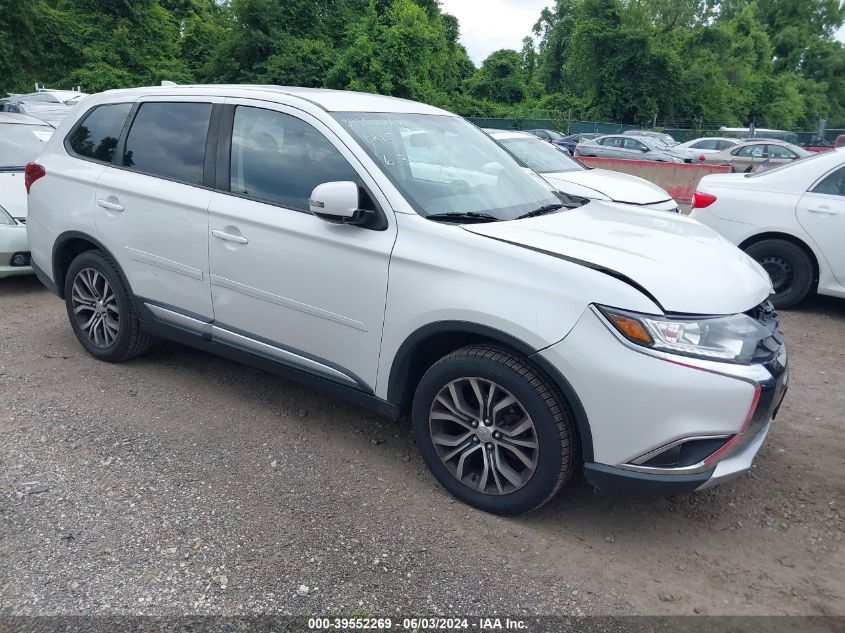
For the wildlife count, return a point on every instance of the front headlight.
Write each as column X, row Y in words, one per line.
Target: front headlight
column 735, row 338
column 5, row 218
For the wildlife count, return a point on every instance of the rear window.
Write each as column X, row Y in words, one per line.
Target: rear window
column 97, row 135
column 168, row 140
column 21, row 144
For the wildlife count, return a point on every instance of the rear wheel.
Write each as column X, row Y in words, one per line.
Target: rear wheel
column 789, row 267
column 493, row 430
column 101, row 311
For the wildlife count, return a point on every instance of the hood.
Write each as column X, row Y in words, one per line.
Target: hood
column 611, row 184
column 685, row 266
column 13, row 193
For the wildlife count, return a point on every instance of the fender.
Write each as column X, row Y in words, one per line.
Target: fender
column 59, row 288
column 408, row 351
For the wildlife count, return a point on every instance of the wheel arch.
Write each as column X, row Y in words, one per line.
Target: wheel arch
column 430, row 343
column 66, row 247
column 786, row 237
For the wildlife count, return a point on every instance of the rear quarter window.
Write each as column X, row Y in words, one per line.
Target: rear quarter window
column 95, row 136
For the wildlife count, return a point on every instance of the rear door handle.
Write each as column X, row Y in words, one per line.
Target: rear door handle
column 111, row 206
column 823, row 211
column 229, row 237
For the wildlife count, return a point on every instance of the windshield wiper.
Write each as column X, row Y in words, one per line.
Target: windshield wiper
column 464, row 216
column 548, row 208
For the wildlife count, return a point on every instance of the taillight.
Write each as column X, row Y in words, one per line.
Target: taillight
column 33, row 172
column 702, row 200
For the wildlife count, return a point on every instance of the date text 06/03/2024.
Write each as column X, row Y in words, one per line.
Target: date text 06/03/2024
column 417, row 624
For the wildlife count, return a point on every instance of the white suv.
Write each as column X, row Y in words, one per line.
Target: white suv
column 322, row 233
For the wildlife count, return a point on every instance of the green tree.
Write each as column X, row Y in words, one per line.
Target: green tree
column 554, row 29
column 501, row 78
column 397, row 49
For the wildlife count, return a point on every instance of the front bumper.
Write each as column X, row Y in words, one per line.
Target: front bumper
column 612, row 479
column 640, row 405
column 13, row 240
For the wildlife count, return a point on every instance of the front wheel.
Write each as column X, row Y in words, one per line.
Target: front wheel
column 789, row 267
column 493, row 430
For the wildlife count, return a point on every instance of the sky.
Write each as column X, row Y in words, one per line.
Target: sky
column 488, row 25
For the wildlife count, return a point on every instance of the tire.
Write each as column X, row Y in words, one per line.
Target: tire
column 789, row 267
column 95, row 289
column 513, row 484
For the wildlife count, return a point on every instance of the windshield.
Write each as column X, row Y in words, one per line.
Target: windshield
column 21, row 144
column 442, row 164
column 541, row 157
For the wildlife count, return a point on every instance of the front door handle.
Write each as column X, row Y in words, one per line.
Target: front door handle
column 229, row 237
column 824, row 210
column 111, row 206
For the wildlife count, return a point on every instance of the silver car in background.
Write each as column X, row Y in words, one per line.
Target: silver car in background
column 630, row 147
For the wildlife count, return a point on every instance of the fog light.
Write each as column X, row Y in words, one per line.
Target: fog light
column 20, row 259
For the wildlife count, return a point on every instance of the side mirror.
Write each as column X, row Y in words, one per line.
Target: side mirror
column 337, row 202
column 644, row 150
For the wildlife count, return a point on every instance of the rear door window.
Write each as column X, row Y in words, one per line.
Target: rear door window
column 752, row 151
column 168, row 140
column 95, row 137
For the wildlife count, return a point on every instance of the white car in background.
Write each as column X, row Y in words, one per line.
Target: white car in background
column 698, row 147
column 572, row 178
column 791, row 219
column 50, row 106
column 21, row 140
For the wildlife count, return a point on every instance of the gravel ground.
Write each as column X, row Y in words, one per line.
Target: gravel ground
column 181, row 483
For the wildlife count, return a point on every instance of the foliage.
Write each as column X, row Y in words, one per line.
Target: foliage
column 692, row 63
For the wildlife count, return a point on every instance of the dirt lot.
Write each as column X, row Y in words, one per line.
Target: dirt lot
column 184, row 483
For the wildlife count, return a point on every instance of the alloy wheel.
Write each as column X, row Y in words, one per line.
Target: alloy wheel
column 484, row 436
column 95, row 307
